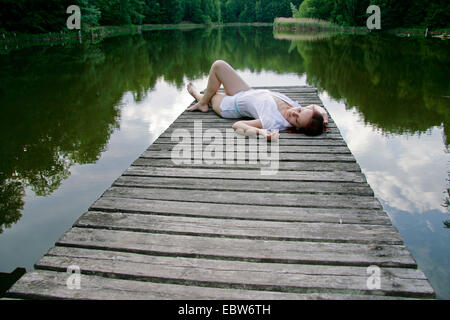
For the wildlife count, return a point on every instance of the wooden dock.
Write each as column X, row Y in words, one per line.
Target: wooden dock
column 206, row 230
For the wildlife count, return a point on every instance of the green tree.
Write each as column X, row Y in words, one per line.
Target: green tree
column 231, row 10
column 318, row 9
column 90, row 14
column 11, row 203
column 124, row 15
column 193, row 11
column 136, row 11
column 33, row 16
column 152, row 12
column 437, row 14
column 248, row 14
column 349, row 12
column 111, row 12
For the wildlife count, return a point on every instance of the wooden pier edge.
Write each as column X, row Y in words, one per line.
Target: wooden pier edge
column 171, row 227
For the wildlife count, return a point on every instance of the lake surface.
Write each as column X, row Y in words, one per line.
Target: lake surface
column 74, row 117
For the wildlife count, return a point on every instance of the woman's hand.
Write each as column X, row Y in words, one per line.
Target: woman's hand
column 270, row 135
column 253, row 128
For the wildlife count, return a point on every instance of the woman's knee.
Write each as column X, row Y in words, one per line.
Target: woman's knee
column 219, row 64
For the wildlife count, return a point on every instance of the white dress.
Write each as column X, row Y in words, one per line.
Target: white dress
column 257, row 104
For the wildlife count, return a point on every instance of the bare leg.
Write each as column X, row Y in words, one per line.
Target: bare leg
column 215, row 102
column 220, row 73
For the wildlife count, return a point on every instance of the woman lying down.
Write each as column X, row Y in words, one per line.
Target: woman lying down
column 272, row 111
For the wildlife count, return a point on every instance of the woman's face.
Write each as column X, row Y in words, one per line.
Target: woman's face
column 300, row 117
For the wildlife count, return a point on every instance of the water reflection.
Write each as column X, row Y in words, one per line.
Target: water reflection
column 55, row 112
column 60, row 105
column 399, row 85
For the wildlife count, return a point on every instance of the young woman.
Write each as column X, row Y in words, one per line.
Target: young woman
column 272, row 111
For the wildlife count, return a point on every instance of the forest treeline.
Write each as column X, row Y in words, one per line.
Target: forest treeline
column 394, row 13
column 36, row 16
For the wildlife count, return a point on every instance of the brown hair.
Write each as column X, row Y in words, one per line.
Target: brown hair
column 314, row 128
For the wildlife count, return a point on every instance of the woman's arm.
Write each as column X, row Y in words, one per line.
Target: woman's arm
column 254, row 128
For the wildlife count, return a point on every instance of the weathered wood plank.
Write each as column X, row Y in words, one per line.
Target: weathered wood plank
column 237, row 274
column 211, row 116
column 297, row 88
column 232, row 228
column 42, row 284
column 323, row 176
column 245, row 140
column 325, row 136
column 315, row 166
column 215, row 118
column 252, row 156
column 223, row 128
column 317, row 253
column 252, row 198
column 210, row 123
column 305, row 269
column 247, row 147
column 245, row 185
column 247, row 212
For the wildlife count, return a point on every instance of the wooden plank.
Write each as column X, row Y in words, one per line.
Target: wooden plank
column 247, row 147
column 232, row 228
column 323, row 176
column 221, row 127
column 325, row 136
column 301, row 99
column 252, row 198
column 219, row 123
column 306, row 269
column 315, row 166
column 211, row 116
column 251, row 156
column 274, row 251
column 247, row 212
column 286, row 88
column 304, row 99
column 285, row 142
column 237, row 274
column 43, row 284
column 245, row 185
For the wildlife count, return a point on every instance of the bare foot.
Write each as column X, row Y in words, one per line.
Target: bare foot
column 197, row 96
column 200, row 107
column 193, row 91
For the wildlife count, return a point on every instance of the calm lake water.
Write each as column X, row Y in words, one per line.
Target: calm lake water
column 74, row 117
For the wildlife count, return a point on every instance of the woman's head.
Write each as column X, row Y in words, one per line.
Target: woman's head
column 316, row 125
column 306, row 120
